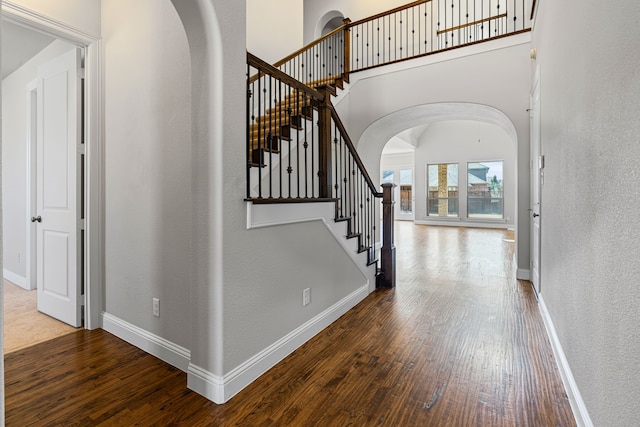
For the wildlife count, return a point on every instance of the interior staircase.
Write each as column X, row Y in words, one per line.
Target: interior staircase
column 298, row 150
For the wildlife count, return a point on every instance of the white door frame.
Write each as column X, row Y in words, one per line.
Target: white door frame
column 537, row 165
column 94, row 174
column 31, row 112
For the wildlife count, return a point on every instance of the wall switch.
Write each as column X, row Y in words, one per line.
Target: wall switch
column 156, row 307
column 306, row 296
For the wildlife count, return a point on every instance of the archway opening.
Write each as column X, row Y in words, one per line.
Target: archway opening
column 327, row 23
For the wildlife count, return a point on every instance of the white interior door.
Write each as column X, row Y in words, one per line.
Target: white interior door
column 537, row 165
column 58, row 197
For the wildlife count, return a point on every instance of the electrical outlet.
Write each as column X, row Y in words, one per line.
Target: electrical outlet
column 156, row 307
column 306, row 296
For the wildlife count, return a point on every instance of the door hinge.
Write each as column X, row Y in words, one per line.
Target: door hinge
column 82, row 72
column 81, row 148
column 81, row 224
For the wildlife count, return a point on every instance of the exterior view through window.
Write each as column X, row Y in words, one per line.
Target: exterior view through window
column 387, row 177
column 485, row 190
column 406, row 198
column 442, row 189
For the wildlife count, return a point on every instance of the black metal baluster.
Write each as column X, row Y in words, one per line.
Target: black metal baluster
column 460, row 39
column 313, row 149
column 496, row 30
column 303, row 119
column 343, row 181
column 272, row 126
column 452, row 24
column 336, row 169
column 248, row 130
column 296, row 104
column 488, row 17
column 259, row 134
column 395, row 36
column 426, row 25
column 279, row 142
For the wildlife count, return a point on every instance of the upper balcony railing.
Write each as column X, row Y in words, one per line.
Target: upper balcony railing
column 417, row 29
column 425, row 27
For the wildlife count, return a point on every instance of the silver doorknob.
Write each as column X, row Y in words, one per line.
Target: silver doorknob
column 535, row 215
column 36, row 218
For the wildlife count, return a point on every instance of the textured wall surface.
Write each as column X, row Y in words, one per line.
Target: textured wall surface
column 590, row 99
column 274, row 28
column 83, row 15
column 147, row 163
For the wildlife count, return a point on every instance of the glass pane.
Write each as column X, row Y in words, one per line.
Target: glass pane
column 387, row 177
column 442, row 191
column 406, row 192
column 485, row 190
column 406, row 176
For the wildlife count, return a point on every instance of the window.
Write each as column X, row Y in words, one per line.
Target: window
column 442, row 189
column 406, row 198
column 485, row 190
column 387, row 177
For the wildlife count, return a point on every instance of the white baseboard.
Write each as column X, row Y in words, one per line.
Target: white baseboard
column 445, row 222
column 16, row 279
column 221, row 389
column 523, row 274
column 573, row 393
column 153, row 344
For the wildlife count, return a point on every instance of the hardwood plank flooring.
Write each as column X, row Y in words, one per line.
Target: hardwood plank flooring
column 459, row 342
column 24, row 325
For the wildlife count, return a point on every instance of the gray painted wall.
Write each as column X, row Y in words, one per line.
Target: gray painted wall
column 147, row 159
column 590, row 100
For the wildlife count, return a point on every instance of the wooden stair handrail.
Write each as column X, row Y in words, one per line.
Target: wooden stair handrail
column 310, row 45
column 389, row 12
column 269, row 69
column 471, row 24
column 353, row 151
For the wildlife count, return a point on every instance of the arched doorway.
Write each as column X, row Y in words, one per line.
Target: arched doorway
column 329, row 22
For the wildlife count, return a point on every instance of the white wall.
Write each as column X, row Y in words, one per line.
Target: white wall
column 492, row 76
column 315, row 10
column 83, row 15
column 274, row 28
column 461, row 142
column 147, row 162
column 14, row 153
column 590, row 99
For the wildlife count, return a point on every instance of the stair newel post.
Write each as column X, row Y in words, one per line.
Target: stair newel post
column 388, row 251
column 347, row 50
column 324, row 144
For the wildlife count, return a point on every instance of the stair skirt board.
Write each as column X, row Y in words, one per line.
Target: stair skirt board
column 221, row 389
column 269, row 215
column 573, row 393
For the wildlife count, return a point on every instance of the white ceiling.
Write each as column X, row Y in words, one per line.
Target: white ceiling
column 19, row 44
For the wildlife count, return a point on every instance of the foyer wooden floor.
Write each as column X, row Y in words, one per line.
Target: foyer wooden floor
column 459, row 343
